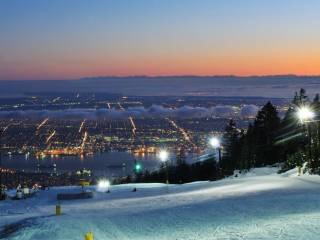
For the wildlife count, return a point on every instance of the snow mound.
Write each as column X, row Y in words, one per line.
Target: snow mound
column 295, row 172
column 254, row 172
column 291, row 173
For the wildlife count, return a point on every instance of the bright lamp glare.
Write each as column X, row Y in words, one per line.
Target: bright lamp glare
column 214, row 142
column 305, row 114
column 103, row 185
column 163, row 155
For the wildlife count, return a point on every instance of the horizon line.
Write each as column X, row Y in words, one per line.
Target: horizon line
column 172, row 76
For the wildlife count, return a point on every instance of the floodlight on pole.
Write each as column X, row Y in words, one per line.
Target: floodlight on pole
column 103, row 185
column 215, row 142
column 305, row 114
column 163, row 155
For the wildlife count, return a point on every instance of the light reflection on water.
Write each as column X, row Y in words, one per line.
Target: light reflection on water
column 107, row 163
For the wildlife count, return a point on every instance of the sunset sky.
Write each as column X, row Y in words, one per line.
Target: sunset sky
column 69, row 39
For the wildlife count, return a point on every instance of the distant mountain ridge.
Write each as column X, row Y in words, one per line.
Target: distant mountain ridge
column 204, row 76
column 266, row 86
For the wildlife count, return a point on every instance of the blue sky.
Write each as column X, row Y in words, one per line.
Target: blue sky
column 50, row 39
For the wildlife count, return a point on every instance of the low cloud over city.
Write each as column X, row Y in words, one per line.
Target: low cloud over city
column 246, row 111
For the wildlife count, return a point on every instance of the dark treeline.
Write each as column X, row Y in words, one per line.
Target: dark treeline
column 268, row 140
column 291, row 141
column 180, row 172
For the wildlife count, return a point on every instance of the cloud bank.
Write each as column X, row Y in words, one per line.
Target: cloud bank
column 155, row 111
column 282, row 86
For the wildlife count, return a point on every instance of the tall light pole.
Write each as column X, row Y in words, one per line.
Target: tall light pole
column 137, row 168
column 216, row 144
column 163, row 156
column 306, row 115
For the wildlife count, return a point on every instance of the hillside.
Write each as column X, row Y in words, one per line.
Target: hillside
column 258, row 205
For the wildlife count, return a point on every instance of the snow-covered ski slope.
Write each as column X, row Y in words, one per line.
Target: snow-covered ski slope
column 259, row 205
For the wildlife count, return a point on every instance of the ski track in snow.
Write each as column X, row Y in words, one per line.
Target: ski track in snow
column 258, row 205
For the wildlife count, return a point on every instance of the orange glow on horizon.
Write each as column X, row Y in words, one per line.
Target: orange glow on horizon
column 269, row 64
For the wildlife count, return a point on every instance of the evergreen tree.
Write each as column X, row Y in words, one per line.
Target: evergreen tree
column 265, row 130
column 291, row 135
column 181, row 172
column 302, row 137
column 316, row 99
column 230, row 151
column 181, row 156
column 315, row 133
column 246, row 146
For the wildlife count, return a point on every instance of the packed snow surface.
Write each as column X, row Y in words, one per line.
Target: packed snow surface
column 258, row 205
